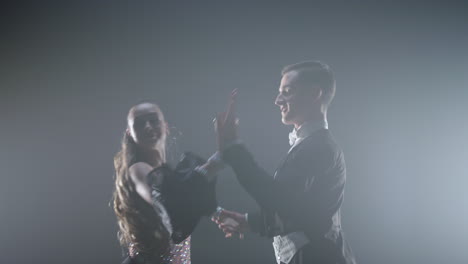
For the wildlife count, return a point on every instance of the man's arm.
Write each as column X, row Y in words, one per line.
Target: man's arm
column 311, row 206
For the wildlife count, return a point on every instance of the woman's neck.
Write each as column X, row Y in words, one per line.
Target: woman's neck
column 150, row 156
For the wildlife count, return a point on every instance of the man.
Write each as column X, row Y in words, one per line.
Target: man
column 300, row 205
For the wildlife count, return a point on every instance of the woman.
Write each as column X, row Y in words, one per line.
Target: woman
column 158, row 207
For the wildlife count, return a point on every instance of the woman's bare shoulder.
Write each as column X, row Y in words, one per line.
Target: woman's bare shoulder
column 140, row 170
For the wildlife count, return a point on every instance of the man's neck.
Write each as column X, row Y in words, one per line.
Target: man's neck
column 311, row 119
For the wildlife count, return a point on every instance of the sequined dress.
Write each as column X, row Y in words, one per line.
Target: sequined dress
column 180, row 253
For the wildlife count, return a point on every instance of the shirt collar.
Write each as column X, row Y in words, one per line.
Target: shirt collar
column 306, row 130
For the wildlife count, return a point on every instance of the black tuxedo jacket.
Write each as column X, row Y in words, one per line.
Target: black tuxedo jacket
column 305, row 195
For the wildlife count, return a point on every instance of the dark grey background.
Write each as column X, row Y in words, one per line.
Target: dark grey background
column 70, row 72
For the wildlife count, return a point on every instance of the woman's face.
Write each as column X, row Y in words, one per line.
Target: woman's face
column 146, row 125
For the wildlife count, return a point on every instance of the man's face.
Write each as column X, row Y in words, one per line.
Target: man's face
column 295, row 100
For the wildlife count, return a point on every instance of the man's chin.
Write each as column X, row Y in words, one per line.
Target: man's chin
column 285, row 120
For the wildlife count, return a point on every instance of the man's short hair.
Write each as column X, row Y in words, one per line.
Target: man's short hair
column 315, row 73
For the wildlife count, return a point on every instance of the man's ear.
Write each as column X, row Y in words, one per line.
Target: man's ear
column 127, row 131
column 317, row 93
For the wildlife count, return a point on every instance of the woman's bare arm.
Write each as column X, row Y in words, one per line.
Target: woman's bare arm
column 138, row 173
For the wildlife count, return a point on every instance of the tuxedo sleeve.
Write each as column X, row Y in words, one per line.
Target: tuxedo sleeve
column 255, row 221
column 310, row 208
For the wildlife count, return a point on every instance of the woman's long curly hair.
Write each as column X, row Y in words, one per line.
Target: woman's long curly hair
column 140, row 225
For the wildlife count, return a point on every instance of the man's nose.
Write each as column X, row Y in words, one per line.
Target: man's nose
column 279, row 100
